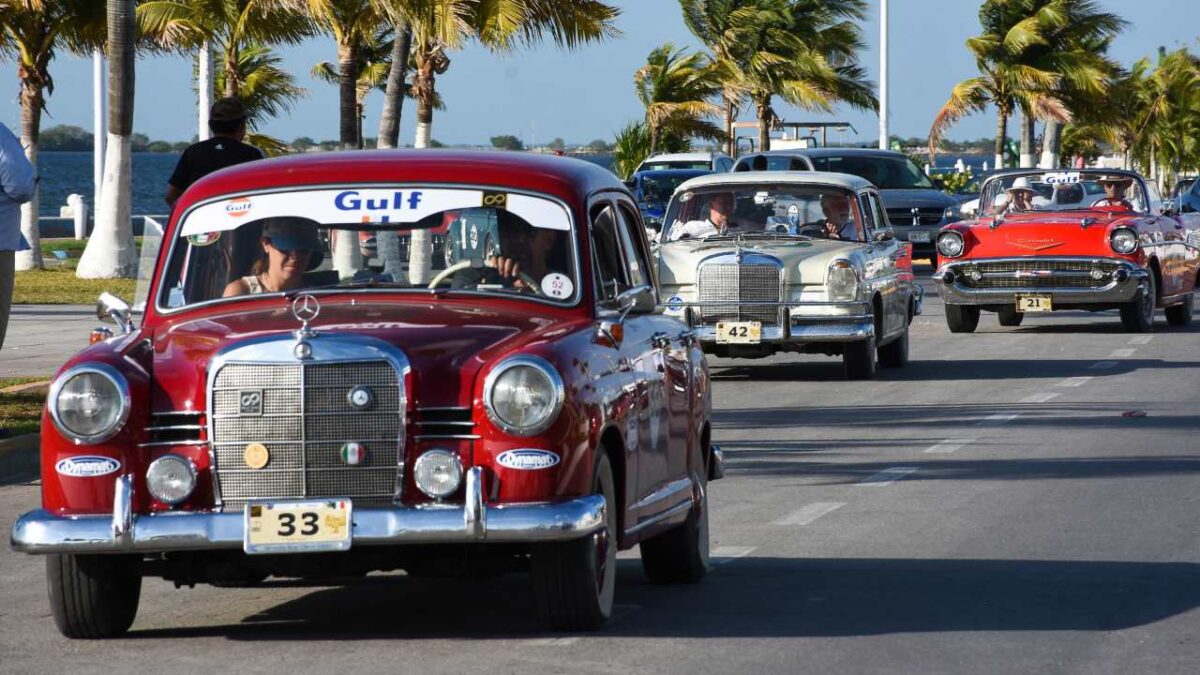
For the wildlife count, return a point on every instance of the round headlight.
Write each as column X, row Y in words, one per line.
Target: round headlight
column 171, row 479
column 842, row 282
column 950, row 244
column 437, row 473
column 1124, row 240
column 89, row 404
column 523, row 395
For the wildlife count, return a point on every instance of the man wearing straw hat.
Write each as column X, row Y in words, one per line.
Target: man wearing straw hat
column 1114, row 191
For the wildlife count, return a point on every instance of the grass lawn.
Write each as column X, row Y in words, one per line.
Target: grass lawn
column 20, row 413
column 73, row 246
column 60, row 286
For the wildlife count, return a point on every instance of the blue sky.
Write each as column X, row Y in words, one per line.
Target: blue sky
column 543, row 93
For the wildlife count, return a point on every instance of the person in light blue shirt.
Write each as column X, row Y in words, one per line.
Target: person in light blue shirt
column 17, row 183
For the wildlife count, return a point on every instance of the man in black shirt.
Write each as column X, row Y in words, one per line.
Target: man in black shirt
column 227, row 119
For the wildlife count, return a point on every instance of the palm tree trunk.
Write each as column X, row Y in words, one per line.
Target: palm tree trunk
column 393, row 98
column 730, row 140
column 111, row 251
column 764, row 124
column 31, row 120
column 1027, row 122
column 1051, row 144
column 204, row 88
column 347, row 95
column 1001, row 137
column 231, row 73
column 653, row 139
column 420, row 249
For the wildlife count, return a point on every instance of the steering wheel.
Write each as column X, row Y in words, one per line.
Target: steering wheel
column 476, row 264
column 812, row 231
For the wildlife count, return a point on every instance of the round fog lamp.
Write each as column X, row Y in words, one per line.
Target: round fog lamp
column 437, row 473
column 1097, row 274
column 171, row 479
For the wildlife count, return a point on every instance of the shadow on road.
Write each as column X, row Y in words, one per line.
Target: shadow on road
column 753, row 597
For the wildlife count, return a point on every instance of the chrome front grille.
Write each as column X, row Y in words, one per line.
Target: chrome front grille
column 728, row 292
column 304, row 420
column 1039, row 273
column 925, row 216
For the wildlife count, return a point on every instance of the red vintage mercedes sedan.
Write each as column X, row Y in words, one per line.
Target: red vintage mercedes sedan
column 1085, row 239
column 274, row 409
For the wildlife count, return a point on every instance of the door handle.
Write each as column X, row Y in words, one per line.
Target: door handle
column 623, row 365
column 660, row 341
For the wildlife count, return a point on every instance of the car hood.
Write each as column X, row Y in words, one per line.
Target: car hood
column 446, row 343
column 802, row 258
column 1041, row 234
column 906, row 199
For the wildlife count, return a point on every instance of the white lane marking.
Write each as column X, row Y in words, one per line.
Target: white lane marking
column 807, row 514
column 727, row 554
column 949, row 446
column 998, row 418
column 1040, row 398
column 1121, row 353
column 887, row 476
column 1103, row 365
column 1141, row 340
column 1074, row 381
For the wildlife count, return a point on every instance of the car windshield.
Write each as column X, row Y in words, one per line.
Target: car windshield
column 655, row 165
column 658, row 189
column 1015, row 192
column 886, row 173
column 810, row 211
column 495, row 243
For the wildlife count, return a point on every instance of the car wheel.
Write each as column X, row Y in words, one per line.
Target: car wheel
column 962, row 318
column 93, row 596
column 573, row 581
column 680, row 555
column 858, row 359
column 1009, row 316
column 1138, row 315
column 895, row 353
column 1181, row 314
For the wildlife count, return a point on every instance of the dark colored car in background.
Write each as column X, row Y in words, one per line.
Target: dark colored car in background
column 915, row 208
column 653, row 189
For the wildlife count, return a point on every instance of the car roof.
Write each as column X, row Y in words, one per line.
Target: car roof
column 563, row 177
column 674, row 172
column 842, row 180
column 826, row 152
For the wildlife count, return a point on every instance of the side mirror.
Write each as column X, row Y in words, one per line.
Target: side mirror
column 1168, row 208
column 111, row 309
column 886, row 234
column 638, row 300
column 631, row 183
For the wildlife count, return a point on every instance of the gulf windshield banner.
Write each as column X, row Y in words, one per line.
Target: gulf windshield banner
column 369, row 205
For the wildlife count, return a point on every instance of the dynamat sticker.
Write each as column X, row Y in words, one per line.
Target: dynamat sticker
column 369, row 205
column 87, row 466
column 527, row 460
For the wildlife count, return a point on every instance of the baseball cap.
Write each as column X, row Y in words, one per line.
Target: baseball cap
column 229, row 109
column 295, row 235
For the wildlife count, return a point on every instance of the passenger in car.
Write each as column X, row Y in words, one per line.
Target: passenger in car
column 839, row 222
column 720, row 206
column 1020, row 196
column 290, row 247
column 1114, row 191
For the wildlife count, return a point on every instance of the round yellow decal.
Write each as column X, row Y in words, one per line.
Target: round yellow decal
column 256, row 455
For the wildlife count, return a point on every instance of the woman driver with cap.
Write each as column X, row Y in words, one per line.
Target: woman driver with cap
column 290, row 248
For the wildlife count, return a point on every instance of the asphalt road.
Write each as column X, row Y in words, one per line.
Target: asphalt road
column 40, row 338
column 1016, row 500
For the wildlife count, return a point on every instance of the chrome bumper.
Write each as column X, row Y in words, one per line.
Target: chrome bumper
column 803, row 327
column 1114, row 292
column 42, row 532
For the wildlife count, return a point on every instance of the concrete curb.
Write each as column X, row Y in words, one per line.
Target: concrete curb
column 19, row 458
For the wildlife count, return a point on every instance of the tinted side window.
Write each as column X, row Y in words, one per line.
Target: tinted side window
column 631, row 246
column 878, row 212
column 724, row 164
column 864, row 202
column 611, row 273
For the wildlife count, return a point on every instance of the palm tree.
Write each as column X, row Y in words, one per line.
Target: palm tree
column 394, row 92
column 805, row 52
column 266, row 89
column 33, row 32
column 718, row 24
column 372, row 69
column 632, row 145
column 675, row 88
column 1169, row 124
column 110, row 250
column 441, row 26
column 353, row 25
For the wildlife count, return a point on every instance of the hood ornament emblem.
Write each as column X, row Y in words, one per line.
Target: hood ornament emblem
column 1035, row 244
column 305, row 307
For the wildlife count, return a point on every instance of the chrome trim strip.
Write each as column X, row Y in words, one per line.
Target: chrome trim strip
column 654, row 520
column 167, row 444
column 460, row 437
column 177, row 427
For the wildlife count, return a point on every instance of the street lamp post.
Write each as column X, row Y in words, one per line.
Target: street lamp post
column 883, row 75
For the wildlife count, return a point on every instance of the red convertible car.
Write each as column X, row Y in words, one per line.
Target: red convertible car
column 1085, row 239
column 522, row 404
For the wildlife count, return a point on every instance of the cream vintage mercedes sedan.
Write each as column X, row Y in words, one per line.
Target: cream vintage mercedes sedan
column 764, row 262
